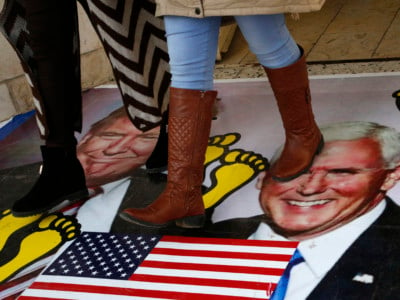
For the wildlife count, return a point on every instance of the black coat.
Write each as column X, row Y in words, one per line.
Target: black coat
column 374, row 256
column 375, row 253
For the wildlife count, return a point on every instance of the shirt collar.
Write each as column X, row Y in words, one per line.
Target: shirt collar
column 108, row 187
column 322, row 252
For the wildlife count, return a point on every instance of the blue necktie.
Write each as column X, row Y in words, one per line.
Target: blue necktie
column 280, row 290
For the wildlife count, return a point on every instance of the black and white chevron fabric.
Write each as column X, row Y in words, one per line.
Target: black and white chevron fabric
column 134, row 41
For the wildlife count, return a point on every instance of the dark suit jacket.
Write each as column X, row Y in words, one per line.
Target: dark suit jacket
column 375, row 253
column 375, row 256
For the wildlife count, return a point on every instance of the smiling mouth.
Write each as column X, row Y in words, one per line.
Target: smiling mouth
column 308, row 203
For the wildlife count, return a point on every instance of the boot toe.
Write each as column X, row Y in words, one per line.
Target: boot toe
column 141, row 217
column 292, row 164
column 29, row 205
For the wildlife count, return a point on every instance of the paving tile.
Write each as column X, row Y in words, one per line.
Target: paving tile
column 390, row 44
column 356, row 31
column 89, row 40
column 377, row 4
column 96, row 69
column 9, row 63
column 238, row 49
column 7, row 108
column 345, row 46
column 362, row 19
column 311, row 26
column 342, row 30
column 21, row 93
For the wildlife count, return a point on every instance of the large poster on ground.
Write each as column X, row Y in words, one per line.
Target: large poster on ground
column 342, row 214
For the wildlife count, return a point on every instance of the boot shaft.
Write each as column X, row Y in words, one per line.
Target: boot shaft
column 292, row 92
column 303, row 139
column 189, row 124
column 57, row 156
column 61, row 163
column 293, row 76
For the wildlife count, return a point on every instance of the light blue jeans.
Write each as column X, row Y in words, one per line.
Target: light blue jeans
column 193, row 43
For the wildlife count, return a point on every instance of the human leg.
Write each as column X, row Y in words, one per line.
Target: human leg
column 54, row 71
column 192, row 48
column 54, row 42
column 285, row 65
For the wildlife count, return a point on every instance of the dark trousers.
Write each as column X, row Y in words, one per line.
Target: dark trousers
column 54, row 40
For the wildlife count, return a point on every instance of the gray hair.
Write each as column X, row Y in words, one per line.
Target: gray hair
column 388, row 138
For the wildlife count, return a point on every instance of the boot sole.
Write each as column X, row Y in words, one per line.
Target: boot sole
column 185, row 222
column 156, row 170
column 305, row 170
column 55, row 205
column 191, row 221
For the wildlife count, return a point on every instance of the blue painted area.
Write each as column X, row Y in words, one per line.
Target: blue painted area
column 14, row 123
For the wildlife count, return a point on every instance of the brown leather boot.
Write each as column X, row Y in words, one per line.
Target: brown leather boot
column 303, row 137
column 190, row 113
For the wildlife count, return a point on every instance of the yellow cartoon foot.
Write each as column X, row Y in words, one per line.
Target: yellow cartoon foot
column 218, row 145
column 50, row 234
column 10, row 224
column 238, row 167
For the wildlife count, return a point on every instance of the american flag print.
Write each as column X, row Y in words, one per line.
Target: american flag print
column 110, row 266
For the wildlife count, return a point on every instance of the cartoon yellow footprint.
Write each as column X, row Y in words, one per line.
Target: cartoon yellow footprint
column 10, row 224
column 218, row 146
column 238, row 167
column 51, row 232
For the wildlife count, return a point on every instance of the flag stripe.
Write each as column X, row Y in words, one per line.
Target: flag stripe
column 201, row 281
column 40, row 297
column 18, row 280
column 55, row 295
column 223, row 254
column 15, row 287
column 133, row 288
column 218, row 261
column 208, row 274
column 163, row 291
column 44, row 294
column 218, row 246
column 208, row 267
column 230, row 242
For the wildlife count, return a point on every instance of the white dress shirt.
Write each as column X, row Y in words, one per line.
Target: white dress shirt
column 97, row 214
column 320, row 253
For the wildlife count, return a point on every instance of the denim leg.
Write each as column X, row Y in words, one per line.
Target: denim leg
column 192, row 47
column 269, row 39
